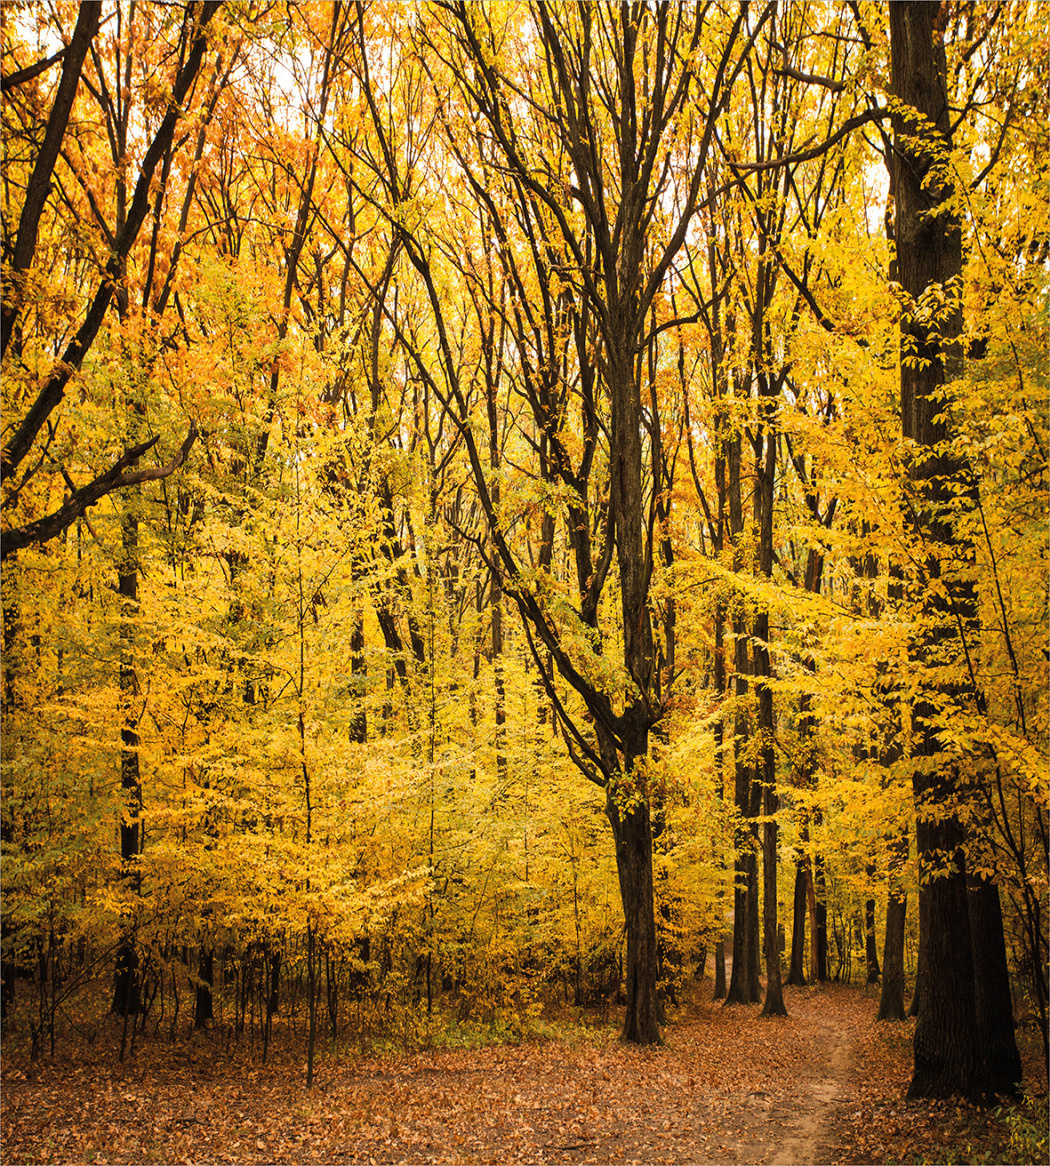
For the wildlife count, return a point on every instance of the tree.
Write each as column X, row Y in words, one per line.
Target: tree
column 928, row 238
column 122, row 237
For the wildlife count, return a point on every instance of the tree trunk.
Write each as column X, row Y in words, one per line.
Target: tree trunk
column 634, row 865
column 204, row 1009
column 754, row 923
column 774, row 1001
column 871, row 954
column 891, row 1001
column 995, row 1017
column 946, row 1056
column 743, row 987
column 125, row 980
column 819, row 914
column 720, row 969
column 929, row 254
column 796, row 969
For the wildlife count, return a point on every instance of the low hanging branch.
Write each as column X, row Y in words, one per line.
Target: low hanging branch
column 117, row 477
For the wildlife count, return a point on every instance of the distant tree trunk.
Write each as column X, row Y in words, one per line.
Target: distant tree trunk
column 818, row 910
column 891, row 1001
column 871, row 954
column 754, row 923
column 273, row 998
column 720, row 970
column 358, row 681
column 125, row 980
column 796, row 968
column 203, row 1009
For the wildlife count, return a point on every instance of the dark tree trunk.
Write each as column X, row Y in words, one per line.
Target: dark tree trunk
column 743, row 978
column 819, row 912
column 720, row 970
column 995, row 1018
column 125, row 980
column 358, row 681
column 765, row 471
column 273, row 997
column 946, row 1055
column 203, row 1010
column 774, row 1001
column 754, row 924
column 929, row 254
column 634, row 865
column 797, row 969
column 913, row 1006
column 891, row 1001
column 871, row 954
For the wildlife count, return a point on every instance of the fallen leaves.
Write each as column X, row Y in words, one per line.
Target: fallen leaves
column 826, row 1084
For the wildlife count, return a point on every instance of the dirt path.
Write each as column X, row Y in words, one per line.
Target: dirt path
column 824, row 1082
column 803, row 1067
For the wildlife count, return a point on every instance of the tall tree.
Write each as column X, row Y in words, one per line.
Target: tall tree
column 928, row 236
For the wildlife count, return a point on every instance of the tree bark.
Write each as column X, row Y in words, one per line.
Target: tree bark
column 891, row 1000
column 994, row 1005
column 632, row 835
column 796, row 968
column 929, row 255
column 871, row 953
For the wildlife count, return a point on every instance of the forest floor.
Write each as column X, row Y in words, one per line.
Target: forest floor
column 826, row 1084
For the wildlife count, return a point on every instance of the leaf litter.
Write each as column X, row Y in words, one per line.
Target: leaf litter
column 826, row 1084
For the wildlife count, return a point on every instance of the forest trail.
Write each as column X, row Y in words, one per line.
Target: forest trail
column 824, row 1081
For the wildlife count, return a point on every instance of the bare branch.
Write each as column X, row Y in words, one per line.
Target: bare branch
column 42, row 530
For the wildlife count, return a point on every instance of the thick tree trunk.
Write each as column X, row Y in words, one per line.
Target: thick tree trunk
column 891, row 1000
column 995, row 1017
column 634, row 865
column 946, row 1055
column 929, row 254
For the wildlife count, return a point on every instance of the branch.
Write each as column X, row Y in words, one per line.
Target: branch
column 54, row 388
column 21, row 76
column 811, row 78
column 39, row 185
column 807, row 154
column 115, row 478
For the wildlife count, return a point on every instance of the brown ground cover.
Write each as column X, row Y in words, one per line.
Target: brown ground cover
column 826, row 1084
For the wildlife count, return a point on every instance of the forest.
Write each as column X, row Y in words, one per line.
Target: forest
column 515, row 512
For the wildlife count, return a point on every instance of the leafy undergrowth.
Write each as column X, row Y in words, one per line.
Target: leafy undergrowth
column 824, row 1085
